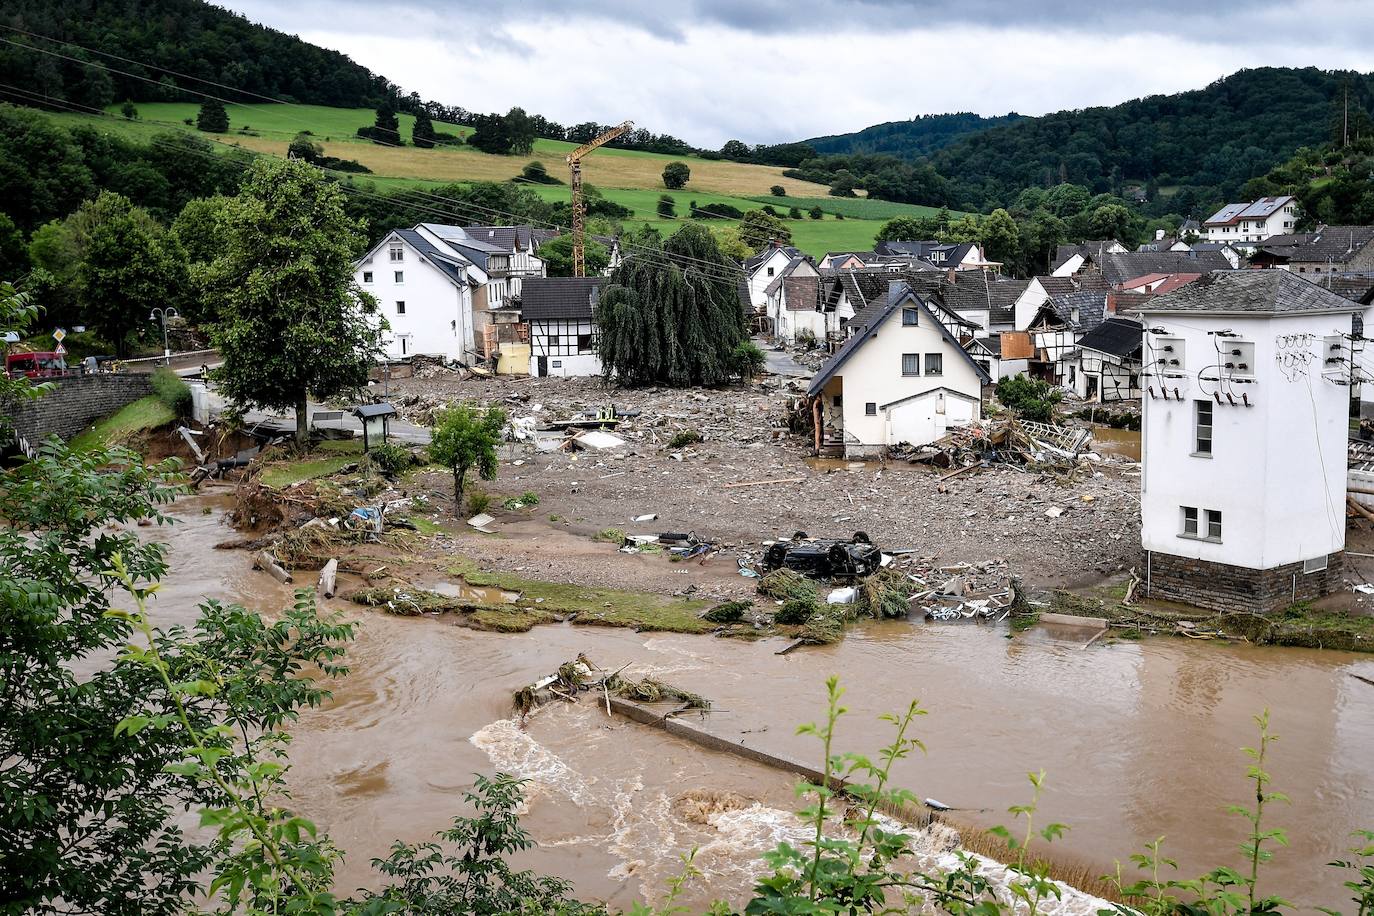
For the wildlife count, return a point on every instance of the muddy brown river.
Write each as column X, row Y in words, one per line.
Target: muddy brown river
column 1139, row 739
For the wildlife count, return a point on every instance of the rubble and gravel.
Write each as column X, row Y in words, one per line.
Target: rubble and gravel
column 1060, row 529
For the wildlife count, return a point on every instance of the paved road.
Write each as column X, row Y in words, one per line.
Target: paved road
column 398, row 429
column 779, row 363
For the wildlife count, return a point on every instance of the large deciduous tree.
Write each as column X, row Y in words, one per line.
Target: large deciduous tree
column 292, row 322
column 556, row 254
column 672, row 316
column 126, row 265
column 676, row 175
column 758, row 230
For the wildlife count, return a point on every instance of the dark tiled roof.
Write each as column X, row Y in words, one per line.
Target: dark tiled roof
column 1115, row 336
column 754, row 261
column 1062, row 286
column 1118, row 267
column 1262, row 292
column 1090, row 306
column 1092, row 251
column 992, row 344
column 1332, row 245
column 1355, row 287
column 547, row 298
column 436, row 257
column 899, row 293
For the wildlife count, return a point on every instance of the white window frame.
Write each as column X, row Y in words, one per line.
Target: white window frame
column 1316, row 564
column 400, row 306
column 1213, row 517
column 938, row 359
column 367, row 276
column 397, row 253
column 1199, row 439
column 915, row 361
column 398, row 277
column 1188, row 521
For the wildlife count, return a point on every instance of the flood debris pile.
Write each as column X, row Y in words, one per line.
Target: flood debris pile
column 582, row 676
column 1004, row 440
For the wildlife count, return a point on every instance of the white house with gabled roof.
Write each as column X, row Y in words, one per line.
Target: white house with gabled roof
column 425, row 289
column 901, row 378
column 1252, row 221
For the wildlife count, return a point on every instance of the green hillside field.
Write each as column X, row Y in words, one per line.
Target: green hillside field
column 630, row 178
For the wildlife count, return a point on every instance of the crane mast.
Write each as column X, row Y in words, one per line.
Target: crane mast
column 579, row 207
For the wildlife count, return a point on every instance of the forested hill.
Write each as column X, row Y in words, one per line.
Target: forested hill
column 188, row 36
column 1199, row 146
column 919, row 136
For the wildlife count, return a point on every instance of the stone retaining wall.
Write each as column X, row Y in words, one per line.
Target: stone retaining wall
column 1238, row 589
column 74, row 403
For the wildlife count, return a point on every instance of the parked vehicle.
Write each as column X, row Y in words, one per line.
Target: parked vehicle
column 35, row 365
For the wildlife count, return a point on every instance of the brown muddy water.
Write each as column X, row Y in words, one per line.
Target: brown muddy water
column 1139, row 739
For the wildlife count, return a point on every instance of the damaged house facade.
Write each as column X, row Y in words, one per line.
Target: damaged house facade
column 1244, row 436
column 792, row 302
column 561, row 313
column 900, row 378
column 1109, row 365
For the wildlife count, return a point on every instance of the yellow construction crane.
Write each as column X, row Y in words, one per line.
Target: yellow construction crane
column 579, row 208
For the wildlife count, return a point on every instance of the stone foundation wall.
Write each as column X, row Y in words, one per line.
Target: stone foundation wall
column 1222, row 587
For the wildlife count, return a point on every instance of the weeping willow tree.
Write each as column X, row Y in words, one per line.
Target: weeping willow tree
column 671, row 314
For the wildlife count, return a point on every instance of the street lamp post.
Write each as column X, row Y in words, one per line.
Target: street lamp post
column 163, row 314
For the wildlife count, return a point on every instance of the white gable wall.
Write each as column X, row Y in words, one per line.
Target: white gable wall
column 874, row 375
column 438, row 313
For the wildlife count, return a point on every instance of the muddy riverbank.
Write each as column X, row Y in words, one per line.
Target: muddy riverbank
column 1140, row 739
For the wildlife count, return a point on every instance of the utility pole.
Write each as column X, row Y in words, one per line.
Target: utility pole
column 579, row 206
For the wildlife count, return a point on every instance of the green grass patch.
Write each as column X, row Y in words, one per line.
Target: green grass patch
column 340, row 446
column 853, row 207
column 122, row 425
column 610, row 607
column 513, row 619
column 426, row 525
column 285, row 473
column 276, row 120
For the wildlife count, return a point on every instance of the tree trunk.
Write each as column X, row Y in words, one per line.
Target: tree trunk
column 302, row 422
column 458, row 475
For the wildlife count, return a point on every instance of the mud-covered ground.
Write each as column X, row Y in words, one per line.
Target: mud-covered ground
column 983, row 517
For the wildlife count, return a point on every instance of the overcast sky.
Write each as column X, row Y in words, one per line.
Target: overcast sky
column 772, row 70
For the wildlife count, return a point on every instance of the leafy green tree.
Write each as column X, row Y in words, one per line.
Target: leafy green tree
column 422, row 134
column 676, row 175
column 666, row 208
column 465, row 439
column 129, row 112
column 200, row 230
column 557, row 256
column 304, row 149
column 794, row 213
column 672, row 316
column 1111, row 221
column 127, row 266
column 736, row 150
column 843, row 184
column 908, row 229
column 967, row 228
column 212, row 118
column 292, row 322
column 778, row 190
column 758, row 230
column 816, row 212
column 1001, row 237
column 729, row 242
column 748, row 360
column 14, row 255
column 537, row 173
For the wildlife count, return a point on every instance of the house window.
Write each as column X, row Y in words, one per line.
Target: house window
column 1202, row 428
column 909, row 318
column 911, row 364
column 770, row 271
column 1214, row 524
column 400, row 307
column 405, row 340
column 553, row 341
column 367, row 276
column 584, row 343
column 1315, row 565
column 871, row 409
column 935, row 363
column 838, row 400
column 398, row 253
column 1189, row 521
column 399, row 276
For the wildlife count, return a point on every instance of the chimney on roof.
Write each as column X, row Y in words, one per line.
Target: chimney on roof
column 949, row 275
column 1111, row 302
